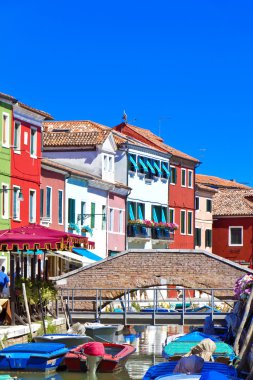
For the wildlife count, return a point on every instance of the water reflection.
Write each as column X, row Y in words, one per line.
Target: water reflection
column 148, row 341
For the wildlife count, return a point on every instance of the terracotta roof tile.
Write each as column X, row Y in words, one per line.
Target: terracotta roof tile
column 74, row 126
column 237, row 202
column 74, row 139
column 217, row 182
column 199, row 186
column 158, row 141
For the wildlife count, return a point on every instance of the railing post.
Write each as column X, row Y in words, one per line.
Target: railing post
column 125, row 311
column 183, row 306
column 212, row 303
column 100, row 300
column 155, row 306
column 96, row 304
column 72, row 300
column 128, row 300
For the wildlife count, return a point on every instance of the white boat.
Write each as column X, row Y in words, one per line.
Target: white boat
column 70, row 340
column 100, row 332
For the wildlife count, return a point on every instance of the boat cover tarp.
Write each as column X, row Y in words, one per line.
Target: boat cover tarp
column 35, row 349
column 197, row 336
column 167, row 368
column 178, row 347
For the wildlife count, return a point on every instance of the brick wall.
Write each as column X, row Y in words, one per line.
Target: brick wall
column 137, row 269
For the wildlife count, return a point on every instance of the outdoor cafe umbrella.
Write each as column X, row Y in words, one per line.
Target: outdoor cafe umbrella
column 33, row 237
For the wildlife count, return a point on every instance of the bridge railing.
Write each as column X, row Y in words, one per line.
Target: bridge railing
column 149, row 301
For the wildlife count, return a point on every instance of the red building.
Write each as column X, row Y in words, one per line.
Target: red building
column 52, row 195
column 26, row 164
column 181, row 187
column 233, row 225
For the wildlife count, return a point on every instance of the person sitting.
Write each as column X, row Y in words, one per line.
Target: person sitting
column 4, row 281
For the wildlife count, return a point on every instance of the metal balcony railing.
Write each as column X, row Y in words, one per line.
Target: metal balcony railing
column 157, row 233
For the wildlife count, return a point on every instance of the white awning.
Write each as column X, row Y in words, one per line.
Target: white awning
column 70, row 256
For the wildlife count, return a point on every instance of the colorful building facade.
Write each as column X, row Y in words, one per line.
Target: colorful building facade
column 181, row 187
column 26, row 164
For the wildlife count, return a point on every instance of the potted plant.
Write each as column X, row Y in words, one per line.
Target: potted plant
column 73, row 227
column 87, row 229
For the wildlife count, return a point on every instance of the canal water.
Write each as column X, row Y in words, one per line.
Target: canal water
column 148, row 341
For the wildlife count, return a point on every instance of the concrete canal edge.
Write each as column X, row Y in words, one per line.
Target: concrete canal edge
column 10, row 335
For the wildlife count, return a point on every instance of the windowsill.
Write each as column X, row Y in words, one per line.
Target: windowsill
column 16, row 220
column 235, row 245
column 173, row 184
column 17, row 151
column 131, row 173
column 183, row 185
column 33, row 156
column 5, row 146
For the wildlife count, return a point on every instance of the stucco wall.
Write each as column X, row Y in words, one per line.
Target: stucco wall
column 116, row 239
column 5, row 167
column 221, row 238
column 57, row 182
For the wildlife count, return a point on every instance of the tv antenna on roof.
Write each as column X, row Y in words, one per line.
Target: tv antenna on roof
column 124, row 117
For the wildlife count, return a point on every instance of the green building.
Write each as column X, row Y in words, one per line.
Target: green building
column 5, row 160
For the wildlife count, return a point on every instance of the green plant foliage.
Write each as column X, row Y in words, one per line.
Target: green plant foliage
column 47, row 290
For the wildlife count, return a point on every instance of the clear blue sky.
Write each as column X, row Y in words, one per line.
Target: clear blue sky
column 183, row 67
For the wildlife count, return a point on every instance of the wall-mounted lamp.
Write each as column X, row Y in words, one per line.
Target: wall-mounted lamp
column 20, row 194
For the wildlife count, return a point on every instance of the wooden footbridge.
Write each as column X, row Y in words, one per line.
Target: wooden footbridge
column 90, row 289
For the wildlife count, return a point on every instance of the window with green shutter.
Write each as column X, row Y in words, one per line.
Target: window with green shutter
column 209, row 205
column 92, row 218
column 173, row 175
column 182, row 222
column 198, row 237
column 82, row 212
column 208, row 238
column 71, row 210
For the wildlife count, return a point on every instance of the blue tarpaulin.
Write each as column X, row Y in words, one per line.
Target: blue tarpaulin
column 86, row 253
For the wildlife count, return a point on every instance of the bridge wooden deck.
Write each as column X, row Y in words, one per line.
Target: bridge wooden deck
column 89, row 305
column 144, row 318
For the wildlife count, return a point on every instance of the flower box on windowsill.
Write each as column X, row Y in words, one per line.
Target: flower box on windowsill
column 141, row 175
column 131, row 173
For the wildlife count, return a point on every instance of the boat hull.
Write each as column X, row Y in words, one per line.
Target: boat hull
column 32, row 357
column 101, row 333
column 115, row 358
column 70, row 340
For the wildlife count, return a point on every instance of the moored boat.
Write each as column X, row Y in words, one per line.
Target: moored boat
column 182, row 345
column 100, row 332
column 70, row 340
column 114, row 357
column 166, row 370
column 32, row 357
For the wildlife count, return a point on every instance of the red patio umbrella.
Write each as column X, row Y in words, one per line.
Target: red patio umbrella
column 35, row 237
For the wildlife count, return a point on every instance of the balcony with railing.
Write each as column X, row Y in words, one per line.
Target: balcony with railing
column 140, row 231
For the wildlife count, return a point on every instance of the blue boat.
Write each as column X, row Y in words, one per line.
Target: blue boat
column 183, row 344
column 32, row 357
column 163, row 369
